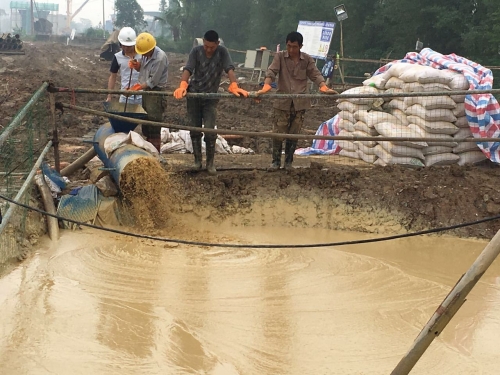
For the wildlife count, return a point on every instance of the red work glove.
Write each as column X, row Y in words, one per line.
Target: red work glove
column 181, row 91
column 235, row 90
column 134, row 64
column 325, row 90
column 265, row 88
column 136, row 87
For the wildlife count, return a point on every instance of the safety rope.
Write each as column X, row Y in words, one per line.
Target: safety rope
column 257, row 246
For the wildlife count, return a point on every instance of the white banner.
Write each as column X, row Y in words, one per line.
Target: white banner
column 317, row 37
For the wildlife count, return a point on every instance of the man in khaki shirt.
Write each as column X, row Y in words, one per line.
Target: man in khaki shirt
column 293, row 68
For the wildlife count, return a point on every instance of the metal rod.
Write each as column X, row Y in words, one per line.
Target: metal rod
column 55, row 132
column 24, row 188
column 449, row 307
column 281, row 96
column 277, row 135
column 17, row 120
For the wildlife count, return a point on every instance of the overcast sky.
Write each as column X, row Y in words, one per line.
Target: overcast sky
column 93, row 9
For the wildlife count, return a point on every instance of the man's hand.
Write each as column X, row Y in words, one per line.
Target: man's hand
column 325, row 90
column 136, row 87
column 265, row 88
column 181, row 91
column 134, row 64
column 235, row 90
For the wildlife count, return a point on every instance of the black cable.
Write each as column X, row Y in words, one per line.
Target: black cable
column 261, row 246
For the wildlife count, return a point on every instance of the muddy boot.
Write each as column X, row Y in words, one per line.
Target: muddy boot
column 197, row 152
column 289, row 151
column 210, row 147
column 276, row 163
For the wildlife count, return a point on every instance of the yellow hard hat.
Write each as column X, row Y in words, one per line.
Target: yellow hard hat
column 144, row 43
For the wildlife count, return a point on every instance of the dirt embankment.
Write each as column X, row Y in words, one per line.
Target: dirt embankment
column 410, row 199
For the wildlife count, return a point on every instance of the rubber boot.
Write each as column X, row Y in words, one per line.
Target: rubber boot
column 197, row 152
column 276, row 163
column 210, row 147
column 289, row 151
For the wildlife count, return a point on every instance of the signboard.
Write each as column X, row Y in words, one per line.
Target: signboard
column 317, row 37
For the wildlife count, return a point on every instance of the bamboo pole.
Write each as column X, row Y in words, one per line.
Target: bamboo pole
column 79, row 163
column 449, row 306
column 277, row 135
column 48, row 202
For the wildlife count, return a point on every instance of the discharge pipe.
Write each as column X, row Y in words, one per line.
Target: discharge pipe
column 121, row 157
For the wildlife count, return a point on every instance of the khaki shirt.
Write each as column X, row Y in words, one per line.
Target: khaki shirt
column 154, row 71
column 292, row 79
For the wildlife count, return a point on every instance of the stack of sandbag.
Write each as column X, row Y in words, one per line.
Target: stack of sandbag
column 349, row 124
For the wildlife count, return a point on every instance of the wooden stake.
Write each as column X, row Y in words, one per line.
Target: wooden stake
column 55, row 134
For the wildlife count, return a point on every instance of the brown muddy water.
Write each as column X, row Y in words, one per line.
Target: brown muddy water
column 106, row 304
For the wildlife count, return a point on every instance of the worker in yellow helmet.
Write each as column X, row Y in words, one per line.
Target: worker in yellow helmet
column 153, row 69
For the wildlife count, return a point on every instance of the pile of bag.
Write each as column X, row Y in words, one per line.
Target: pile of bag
column 422, row 116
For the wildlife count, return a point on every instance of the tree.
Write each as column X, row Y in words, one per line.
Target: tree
column 129, row 13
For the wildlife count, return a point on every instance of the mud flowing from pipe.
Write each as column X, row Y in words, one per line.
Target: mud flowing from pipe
column 99, row 304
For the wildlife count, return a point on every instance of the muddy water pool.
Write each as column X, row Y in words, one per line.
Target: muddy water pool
column 101, row 304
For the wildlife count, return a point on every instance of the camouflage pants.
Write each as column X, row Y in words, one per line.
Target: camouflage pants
column 288, row 122
column 154, row 106
column 202, row 112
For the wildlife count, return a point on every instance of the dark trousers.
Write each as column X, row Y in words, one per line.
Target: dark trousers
column 202, row 111
column 154, row 106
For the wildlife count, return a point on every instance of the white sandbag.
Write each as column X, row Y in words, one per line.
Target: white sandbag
column 388, row 129
column 380, row 163
column 425, row 74
column 441, row 159
column 397, row 150
column 361, row 126
column 424, row 134
column 367, row 150
column 397, row 104
column 459, row 110
column 371, row 143
column 458, row 98
column 463, row 133
column 378, row 81
column 388, row 158
column 345, row 133
column 434, row 127
column 346, row 115
column 347, row 145
column 424, row 87
column 367, row 158
column 471, row 157
column 351, row 107
column 462, row 122
column 430, row 102
column 433, row 150
column 399, row 68
column 465, row 147
column 362, row 90
column 346, row 125
column 392, row 91
column 458, row 81
column 431, row 114
column 349, row 154
column 371, row 118
column 394, row 83
column 400, row 115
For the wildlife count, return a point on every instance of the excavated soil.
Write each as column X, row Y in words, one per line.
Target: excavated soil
column 335, row 193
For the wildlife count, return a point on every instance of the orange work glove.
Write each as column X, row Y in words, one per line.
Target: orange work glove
column 265, row 88
column 325, row 90
column 136, row 87
column 235, row 90
column 134, row 64
column 181, row 91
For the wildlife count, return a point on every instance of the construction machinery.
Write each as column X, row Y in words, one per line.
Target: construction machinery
column 43, row 29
